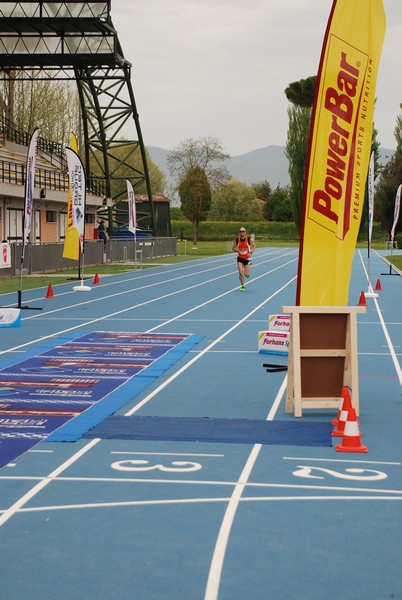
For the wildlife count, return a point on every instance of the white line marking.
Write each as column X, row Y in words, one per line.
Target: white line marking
column 207, row 349
column 167, row 279
column 119, row 312
column 385, row 330
column 203, row 501
column 168, row 453
column 368, row 462
column 214, row 483
column 44, row 482
column 215, row 571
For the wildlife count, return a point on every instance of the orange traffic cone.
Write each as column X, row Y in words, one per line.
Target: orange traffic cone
column 96, row 279
column 345, row 404
column 378, row 287
column 343, row 417
column 49, row 293
column 351, row 436
column 362, row 299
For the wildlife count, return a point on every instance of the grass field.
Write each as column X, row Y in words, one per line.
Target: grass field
column 186, row 252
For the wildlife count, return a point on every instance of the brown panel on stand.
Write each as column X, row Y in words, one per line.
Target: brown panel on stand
column 322, row 377
column 322, row 331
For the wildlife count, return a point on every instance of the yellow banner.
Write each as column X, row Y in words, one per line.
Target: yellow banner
column 72, row 238
column 339, row 151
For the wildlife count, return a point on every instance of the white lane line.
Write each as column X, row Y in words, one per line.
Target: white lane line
column 168, row 453
column 44, row 482
column 214, row 483
column 130, row 291
column 202, row 352
column 225, row 259
column 368, row 462
column 144, row 275
column 175, row 501
column 119, row 312
column 215, row 571
column 166, row 279
column 385, row 330
column 187, row 312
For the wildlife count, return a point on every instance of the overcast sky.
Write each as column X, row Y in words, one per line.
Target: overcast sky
column 220, row 67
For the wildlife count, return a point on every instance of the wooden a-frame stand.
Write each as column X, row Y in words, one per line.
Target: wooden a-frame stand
column 322, row 356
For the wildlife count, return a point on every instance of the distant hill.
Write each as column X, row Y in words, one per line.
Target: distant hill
column 264, row 164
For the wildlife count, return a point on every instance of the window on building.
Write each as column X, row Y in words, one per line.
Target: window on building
column 51, row 216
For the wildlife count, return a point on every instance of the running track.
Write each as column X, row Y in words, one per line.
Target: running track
column 104, row 519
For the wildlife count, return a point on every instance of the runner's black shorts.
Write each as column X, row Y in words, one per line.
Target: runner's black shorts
column 244, row 261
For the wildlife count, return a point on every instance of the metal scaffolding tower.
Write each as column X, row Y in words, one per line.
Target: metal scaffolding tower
column 77, row 40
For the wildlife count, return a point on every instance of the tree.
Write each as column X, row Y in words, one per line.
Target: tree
column 301, row 93
column 375, row 147
column 296, row 153
column 50, row 105
column 386, row 188
column 262, row 190
column 234, row 201
column 195, row 197
column 121, row 170
column 206, row 153
column 398, row 132
column 278, row 206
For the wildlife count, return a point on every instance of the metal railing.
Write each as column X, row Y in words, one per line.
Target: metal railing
column 42, row 258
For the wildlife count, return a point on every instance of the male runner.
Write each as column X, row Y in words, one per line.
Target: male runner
column 244, row 246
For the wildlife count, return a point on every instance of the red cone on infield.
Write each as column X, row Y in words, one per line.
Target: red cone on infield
column 378, row 287
column 362, row 299
column 96, row 279
column 345, row 404
column 49, row 293
column 351, row 436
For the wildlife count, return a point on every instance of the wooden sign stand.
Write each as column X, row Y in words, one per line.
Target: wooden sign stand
column 322, row 356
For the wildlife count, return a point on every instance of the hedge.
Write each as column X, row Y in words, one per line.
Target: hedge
column 228, row 230
column 263, row 230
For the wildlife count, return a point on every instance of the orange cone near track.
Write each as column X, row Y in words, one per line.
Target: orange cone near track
column 96, row 279
column 49, row 293
column 351, row 436
column 343, row 417
column 362, row 299
column 345, row 404
column 378, row 287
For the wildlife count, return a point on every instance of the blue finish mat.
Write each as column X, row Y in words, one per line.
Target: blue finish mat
column 234, row 431
column 61, row 393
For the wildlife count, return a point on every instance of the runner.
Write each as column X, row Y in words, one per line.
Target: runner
column 244, row 246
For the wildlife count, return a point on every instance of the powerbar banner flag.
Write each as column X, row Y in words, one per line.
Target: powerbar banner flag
column 29, row 186
column 72, row 238
column 396, row 213
column 132, row 216
column 339, row 151
column 77, row 185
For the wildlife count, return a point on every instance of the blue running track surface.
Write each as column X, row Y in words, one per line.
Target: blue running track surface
column 183, row 513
